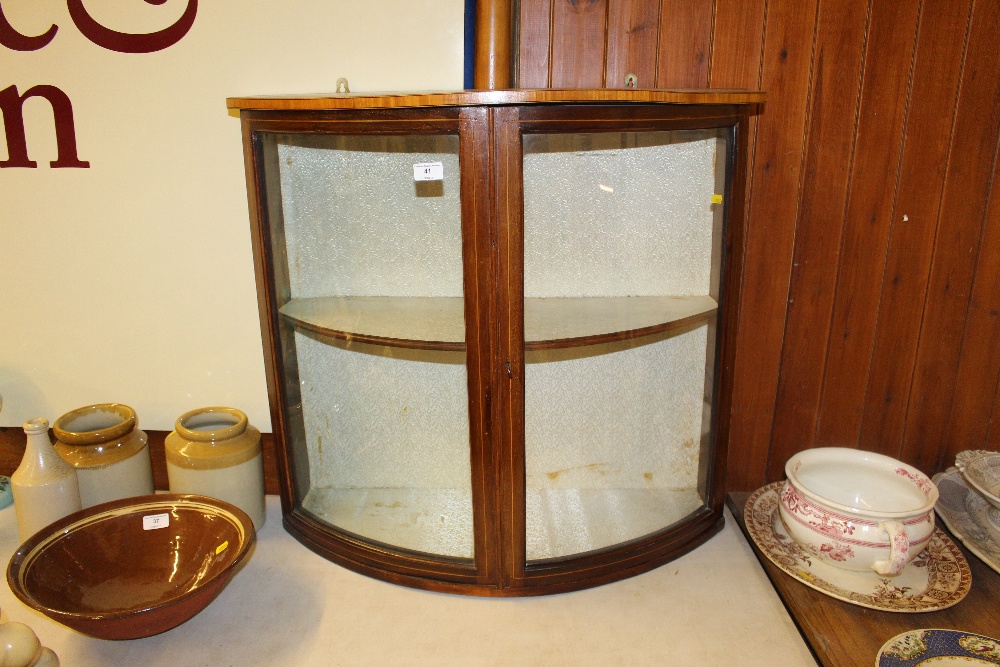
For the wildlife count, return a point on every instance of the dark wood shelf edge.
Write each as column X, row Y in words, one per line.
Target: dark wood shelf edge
column 370, row 339
column 678, row 325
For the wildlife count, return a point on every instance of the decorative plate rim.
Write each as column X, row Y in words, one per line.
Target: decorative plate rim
column 963, row 526
column 973, row 470
column 922, row 642
column 944, row 589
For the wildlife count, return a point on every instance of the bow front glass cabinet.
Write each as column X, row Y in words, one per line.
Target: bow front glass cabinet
column 498, row 327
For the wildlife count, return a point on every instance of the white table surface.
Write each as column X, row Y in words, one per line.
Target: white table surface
column 289, row 606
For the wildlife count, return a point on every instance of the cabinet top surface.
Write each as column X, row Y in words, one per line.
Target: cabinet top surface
column 332, row 101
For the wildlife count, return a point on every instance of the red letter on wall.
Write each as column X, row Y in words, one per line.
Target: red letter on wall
column 12, row 39
column 12, row 106
column 124, row 42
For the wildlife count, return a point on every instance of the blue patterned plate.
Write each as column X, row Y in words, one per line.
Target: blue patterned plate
column 938, row 647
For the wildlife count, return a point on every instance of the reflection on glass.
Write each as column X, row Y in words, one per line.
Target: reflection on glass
column 372, row 254
column 620, row 229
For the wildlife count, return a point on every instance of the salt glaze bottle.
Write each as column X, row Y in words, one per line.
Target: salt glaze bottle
column 45, row 487
column 216, row 452
column 103, row 442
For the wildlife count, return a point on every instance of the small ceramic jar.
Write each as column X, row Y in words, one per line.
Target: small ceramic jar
column 103, row 442
column 216, row 452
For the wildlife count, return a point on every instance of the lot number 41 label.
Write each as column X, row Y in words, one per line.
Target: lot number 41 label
column 428, row 171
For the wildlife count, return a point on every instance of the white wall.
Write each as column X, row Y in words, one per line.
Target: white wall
column 132, row 281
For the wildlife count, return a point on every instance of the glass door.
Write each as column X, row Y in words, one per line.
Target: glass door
column 621, row 267
column 366, row 233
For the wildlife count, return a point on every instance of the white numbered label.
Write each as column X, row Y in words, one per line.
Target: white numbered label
column 154, row 521
column 428, row 171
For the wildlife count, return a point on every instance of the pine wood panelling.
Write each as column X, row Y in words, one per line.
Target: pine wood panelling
column 833, row 110
column 993, row 436
column 975, row 406
column 960, row 227
column 776, row 176
column 979, row 367
column 579, row 28
column 740, row 23
column 890, row 44
column 737, row 42
column 871, row 285
column 685, row 43
column 535, row 21
column 634, row 52
column 926, row 147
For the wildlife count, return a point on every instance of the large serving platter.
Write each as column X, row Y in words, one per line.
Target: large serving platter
column 936, row 579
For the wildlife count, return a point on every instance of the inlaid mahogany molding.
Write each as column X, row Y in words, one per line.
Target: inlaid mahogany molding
column 870, row 313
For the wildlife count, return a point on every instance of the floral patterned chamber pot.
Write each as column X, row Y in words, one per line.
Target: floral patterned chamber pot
column 857, row 510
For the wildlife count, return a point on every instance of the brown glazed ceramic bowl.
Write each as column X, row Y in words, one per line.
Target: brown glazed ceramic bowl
column 134, row 567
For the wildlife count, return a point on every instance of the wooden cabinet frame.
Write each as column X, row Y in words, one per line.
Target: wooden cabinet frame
column 492, row 246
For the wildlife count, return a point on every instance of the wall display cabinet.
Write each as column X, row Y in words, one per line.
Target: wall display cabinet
column 498, row 327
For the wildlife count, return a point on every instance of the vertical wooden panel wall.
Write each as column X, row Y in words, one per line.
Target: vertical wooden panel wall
column 871, row 310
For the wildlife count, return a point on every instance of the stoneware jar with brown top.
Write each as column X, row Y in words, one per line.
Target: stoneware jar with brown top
column 109, row 451
column 215, row 452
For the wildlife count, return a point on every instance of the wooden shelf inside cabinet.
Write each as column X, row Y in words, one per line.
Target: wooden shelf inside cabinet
column 563, row 322
column 437, row 323
column 423, row 323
